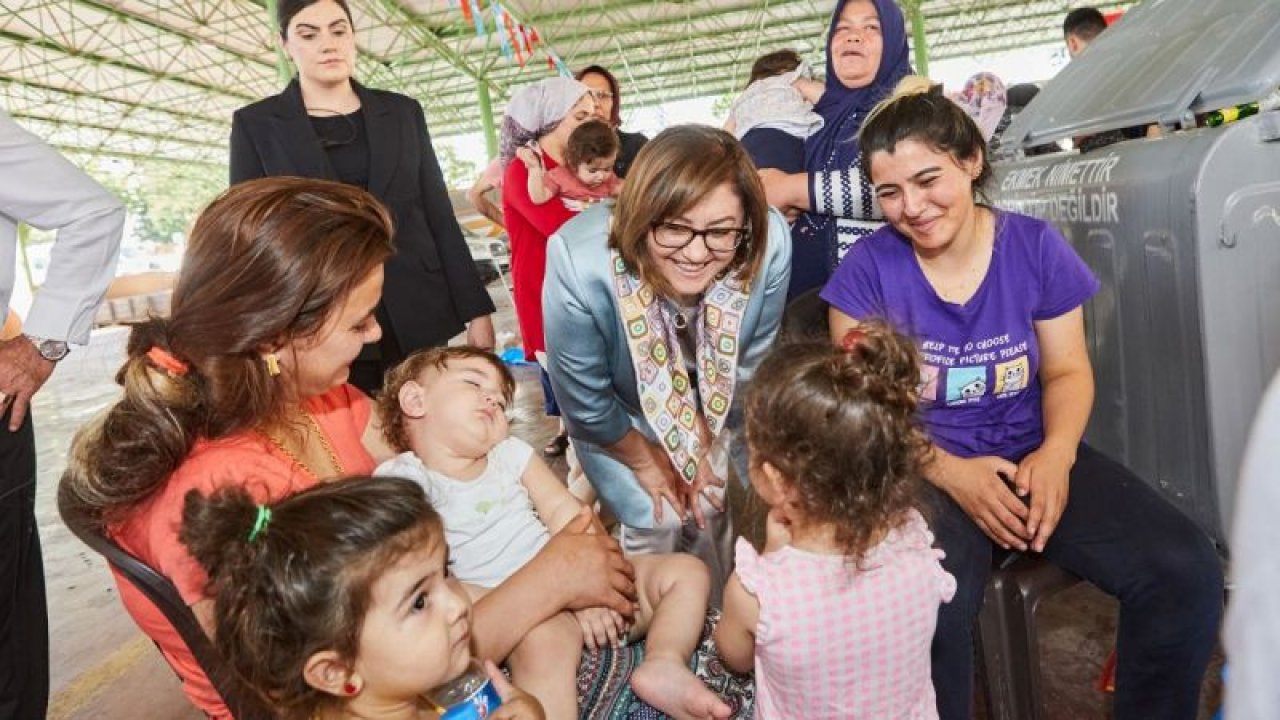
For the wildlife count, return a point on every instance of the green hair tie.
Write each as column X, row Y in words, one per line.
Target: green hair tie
column 260, row 524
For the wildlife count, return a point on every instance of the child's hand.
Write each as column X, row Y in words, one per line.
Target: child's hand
column 777, row 531
column 529, row 158
column 812, row 90
column 601, row 627
column 516, row 703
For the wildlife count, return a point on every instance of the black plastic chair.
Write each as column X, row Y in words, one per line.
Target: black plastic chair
column 1008, row 640
column 243, row 704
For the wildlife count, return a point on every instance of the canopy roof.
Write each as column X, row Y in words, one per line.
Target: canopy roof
column 160, row 78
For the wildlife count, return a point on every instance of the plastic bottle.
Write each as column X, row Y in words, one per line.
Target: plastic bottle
column 470, row 696
column 1230, row 114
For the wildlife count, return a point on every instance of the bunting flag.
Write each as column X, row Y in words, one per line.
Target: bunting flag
column 516, row 41
column 513, row 38
column 474, row 13
column 555, row 64
column 523, row 34
column 504, row 43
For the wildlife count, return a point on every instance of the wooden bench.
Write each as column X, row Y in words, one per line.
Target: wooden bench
column 134, row 298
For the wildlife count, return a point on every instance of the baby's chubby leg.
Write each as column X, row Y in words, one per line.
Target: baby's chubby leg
column 545, row 663
column 673, row 605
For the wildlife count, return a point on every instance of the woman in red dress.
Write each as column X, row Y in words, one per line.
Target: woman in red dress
column 540, row 116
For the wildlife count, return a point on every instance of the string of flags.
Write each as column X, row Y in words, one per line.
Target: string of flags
column 517, row 42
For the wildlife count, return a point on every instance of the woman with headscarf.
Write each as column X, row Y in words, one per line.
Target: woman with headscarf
column 866, row 56
column 984, row 99
column 541, row 117
column 604, row 88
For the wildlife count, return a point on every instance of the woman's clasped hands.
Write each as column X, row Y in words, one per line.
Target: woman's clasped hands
column 1017, row 505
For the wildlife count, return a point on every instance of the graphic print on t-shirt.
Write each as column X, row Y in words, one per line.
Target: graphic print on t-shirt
column 966, row 384
column 1012, row 376
column 927, row 390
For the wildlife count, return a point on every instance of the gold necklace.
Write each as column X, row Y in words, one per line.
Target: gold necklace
column 324, row 442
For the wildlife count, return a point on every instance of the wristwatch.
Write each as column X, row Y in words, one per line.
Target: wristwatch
column 51, row 350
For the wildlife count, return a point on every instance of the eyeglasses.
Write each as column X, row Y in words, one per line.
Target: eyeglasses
column 602, row 94
column 675, row 236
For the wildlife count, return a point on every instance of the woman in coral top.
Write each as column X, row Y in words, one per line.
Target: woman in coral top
column 246, row 384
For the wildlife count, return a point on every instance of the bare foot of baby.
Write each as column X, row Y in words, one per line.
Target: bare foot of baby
column 669, row 685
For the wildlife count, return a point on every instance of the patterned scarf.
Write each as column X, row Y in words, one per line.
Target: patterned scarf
column 666, row 394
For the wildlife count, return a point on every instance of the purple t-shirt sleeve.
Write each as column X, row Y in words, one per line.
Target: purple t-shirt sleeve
column 1065, row 281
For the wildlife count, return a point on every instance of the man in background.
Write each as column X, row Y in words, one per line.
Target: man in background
column 42, row 189
column 1081, row 27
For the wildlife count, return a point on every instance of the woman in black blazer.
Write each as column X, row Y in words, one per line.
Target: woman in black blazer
column 326, row 125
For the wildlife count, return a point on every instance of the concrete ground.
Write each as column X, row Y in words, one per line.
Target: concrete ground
column 103, row 668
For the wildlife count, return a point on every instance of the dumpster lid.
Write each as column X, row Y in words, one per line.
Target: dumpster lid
column 1160, row 60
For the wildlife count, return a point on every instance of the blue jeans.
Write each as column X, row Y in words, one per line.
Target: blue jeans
column 549, row 405
column 1120, row 535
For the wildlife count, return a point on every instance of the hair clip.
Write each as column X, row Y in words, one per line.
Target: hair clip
column 273, row 363
column 166, row 361
column 260, row 524
column 852, row 338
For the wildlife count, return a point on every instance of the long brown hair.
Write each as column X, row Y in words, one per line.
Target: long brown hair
column 303, row 584
column 268, row 261
column 840, row 425
column 674, row 172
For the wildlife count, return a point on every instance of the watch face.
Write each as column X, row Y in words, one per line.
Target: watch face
column 53, row 350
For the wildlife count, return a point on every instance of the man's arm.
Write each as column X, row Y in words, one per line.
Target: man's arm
column 53, row 194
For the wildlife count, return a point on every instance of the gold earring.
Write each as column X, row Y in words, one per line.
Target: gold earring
column 273, row 363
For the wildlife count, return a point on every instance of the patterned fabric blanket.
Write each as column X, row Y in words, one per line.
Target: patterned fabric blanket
column 604, row 688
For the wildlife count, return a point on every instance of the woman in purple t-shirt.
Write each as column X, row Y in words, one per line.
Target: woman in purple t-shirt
column 995, row 301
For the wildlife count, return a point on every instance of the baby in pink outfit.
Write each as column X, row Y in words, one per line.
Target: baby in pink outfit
column 837, row 615
column 587, row 173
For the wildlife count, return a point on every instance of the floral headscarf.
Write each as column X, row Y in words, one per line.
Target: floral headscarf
column 535, row 110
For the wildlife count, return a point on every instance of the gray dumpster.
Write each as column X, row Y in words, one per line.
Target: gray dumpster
column 1183, row 231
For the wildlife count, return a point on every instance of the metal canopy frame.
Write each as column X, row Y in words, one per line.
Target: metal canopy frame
column 160, row 79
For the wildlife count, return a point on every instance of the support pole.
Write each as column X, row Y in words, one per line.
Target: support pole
column 284, row 73
column 486, row 119
column 920, row 46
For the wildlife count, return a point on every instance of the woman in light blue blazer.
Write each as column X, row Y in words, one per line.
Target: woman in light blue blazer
column 657, row 311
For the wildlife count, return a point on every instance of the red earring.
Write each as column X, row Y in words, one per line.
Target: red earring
column 349, row 688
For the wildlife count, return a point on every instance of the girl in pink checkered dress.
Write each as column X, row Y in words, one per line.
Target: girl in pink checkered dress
column 837, row 615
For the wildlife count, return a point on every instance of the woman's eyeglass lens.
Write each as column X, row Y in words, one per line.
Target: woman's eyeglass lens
column 674, row 236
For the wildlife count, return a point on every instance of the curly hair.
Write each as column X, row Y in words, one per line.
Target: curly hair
column 388, row 401
column 840, row 426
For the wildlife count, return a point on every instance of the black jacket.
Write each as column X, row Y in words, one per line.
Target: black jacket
column 432, row 287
